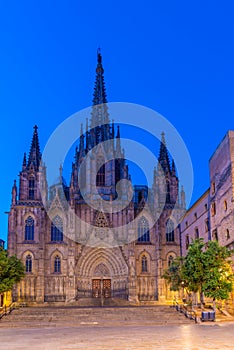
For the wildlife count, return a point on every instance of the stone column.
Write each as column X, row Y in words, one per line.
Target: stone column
column 132, row 295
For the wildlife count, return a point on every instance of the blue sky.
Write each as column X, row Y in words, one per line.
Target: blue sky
column 175, row 57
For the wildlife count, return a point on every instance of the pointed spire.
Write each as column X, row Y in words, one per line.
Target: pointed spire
column 173, row 168
column 118, row 145
column 34, row 154
column 14, row 194
column 99, row 113
column 118, row 133
column 113, row 129
column 61, row 173
column 81, row 147
column 24, row 165
column 163, row 155
column 87, row 137
column 182, row 198
column 99, row 95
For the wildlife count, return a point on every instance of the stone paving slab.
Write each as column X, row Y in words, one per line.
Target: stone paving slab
column 185, row 337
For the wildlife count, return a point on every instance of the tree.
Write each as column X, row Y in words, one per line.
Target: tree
column 218, row 272
column 11, row 271
column 205, row 270
column 193, row 267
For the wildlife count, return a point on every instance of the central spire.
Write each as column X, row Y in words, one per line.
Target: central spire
column 99, row 95
column 100, row 114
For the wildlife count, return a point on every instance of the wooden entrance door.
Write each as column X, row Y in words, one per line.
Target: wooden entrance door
column 96, row 288
column 107, row 288
column 101, row 287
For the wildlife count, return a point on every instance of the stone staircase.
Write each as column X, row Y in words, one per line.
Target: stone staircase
column 72, row 316
column 96, row 302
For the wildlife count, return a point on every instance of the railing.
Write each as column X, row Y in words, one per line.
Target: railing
column 107, row 293
column 6, row 310
column 186, row 310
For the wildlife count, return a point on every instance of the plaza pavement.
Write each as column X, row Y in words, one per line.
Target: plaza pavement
column 117, row 328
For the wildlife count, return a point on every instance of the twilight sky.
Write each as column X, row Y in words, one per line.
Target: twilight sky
column 176, row 57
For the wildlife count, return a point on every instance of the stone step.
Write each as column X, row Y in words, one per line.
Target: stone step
column 74, row 316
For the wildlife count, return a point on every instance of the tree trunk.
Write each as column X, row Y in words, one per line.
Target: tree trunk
column 214, row 304
column 202, row 299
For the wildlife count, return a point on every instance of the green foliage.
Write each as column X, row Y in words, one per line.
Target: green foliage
column 173, row 274
column 11, row 271
column 193, row 267
column 218, row 272
column 205, row 269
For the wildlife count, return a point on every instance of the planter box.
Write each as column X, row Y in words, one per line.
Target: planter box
column 208, row 316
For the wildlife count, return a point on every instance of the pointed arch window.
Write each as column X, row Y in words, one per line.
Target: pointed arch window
column 57, row 264
column 143, row 230
column 168, row 192
column 31, row 188
column 144, row 264
column 28, row 263
column 57, row 229
column 170, row 231
column 100, row 179
column 29, row 229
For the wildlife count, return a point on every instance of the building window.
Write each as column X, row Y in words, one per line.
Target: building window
column 170, row 231
column 215, row 235
column 100, row 179
column 31, row 188
column 195, row 216
column 206, row 207
column 57, row 264
column 29, row 229
column 187, row 241
column 57, row 229
column 186, row 224
column 170, row 260
column 225, row 205
column 168, row 193
column 213, row 209
column 144, row 264
column 196, row 233
column 227, row 234
column 143, row 230
column 28, row 263
column 207, row 225
column 213, row 189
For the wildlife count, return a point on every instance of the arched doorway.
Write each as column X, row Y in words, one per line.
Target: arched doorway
column 102, row 272
column 101, row 283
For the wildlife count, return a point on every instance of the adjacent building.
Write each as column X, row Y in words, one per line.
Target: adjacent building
column 212, row 216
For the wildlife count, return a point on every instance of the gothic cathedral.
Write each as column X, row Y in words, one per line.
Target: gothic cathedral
column 77, row 252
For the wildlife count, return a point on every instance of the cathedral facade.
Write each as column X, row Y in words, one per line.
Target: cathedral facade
column 116, row 248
